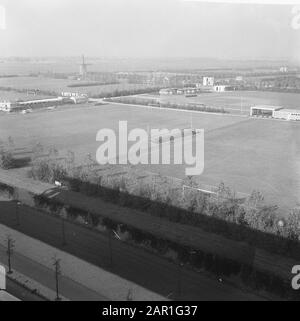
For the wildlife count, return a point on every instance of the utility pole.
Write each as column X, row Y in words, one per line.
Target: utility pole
column 18, row 221
column 241, row 104
column 110, row 248
column 10, row 248
column 179, row 280
column 56, row 264
column 64, row 243
column 129, row 295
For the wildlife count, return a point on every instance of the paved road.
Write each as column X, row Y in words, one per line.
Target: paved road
column 67, row 287
column 20, row 292
column 129, row 262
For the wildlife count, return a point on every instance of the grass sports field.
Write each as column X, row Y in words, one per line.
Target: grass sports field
column 236, row 101
column 245, row 153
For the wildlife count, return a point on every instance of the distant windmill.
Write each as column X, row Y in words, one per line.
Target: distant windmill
column 83, row 68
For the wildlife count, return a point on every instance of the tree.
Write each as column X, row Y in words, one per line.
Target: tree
column 11, row 143
column 37, row 150
column 53, row 152
column 255, row 200
column 70, row 158
column 129, row 295
column 10, row 243
column 292, row 228
column 57, row 270
column 6, row 160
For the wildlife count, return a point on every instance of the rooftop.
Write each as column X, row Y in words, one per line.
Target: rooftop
column 267, row 107
column 297, row 111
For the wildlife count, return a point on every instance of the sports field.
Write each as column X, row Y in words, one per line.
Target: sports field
column 236, row 101
column 244, row 153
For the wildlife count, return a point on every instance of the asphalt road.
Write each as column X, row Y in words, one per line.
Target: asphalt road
column 131, row 263
column 44, row 276
column 20, row 292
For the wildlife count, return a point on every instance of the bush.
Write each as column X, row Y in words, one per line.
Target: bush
column 247, row 220
column 6, row 160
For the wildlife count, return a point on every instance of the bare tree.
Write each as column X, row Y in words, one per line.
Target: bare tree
column 57, row 270
column 10, row 243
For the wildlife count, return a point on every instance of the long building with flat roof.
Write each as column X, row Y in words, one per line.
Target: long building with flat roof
column 276, row 112
column 264, row 110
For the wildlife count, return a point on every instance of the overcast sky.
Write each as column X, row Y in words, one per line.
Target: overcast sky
column 147, row 28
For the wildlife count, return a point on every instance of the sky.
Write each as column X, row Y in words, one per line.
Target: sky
column 148, row 28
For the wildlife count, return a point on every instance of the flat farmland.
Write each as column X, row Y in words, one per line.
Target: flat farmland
column 236, row 101
column 14, row 96
column 59, row 85
column 244, row 153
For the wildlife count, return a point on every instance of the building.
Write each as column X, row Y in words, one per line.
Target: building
column 276, row 112
column 190, row 92
column 72, row 94
column 287, row 114
column 181, row 91
column 49, row 102
column 79, row 99
column 31, row 104
column 208, row 81
column 222, row 88
column 264, row 111
column 7, row 106
column 168, row 91
column 284, row 69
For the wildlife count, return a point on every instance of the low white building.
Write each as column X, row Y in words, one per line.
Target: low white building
column 276, row 112
column 7, row 106
column 264, row 110
column 222, row 88
column 208, row 81
column 73, row 94
column 168, row 91
column 79, row 100
column 287, row 114
column 284, row 69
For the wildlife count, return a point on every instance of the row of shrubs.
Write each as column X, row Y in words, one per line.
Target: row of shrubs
column 126, row 92
column 222, row 267
column 92, row 84
column 6, row 159
column 155, row 103
column 6, row 189
column 246, row 220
